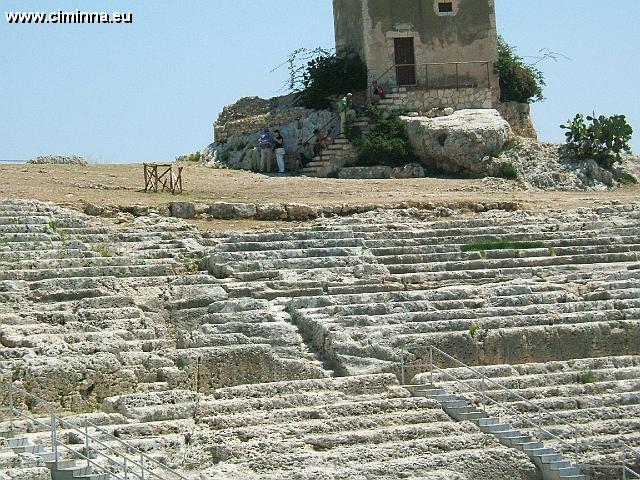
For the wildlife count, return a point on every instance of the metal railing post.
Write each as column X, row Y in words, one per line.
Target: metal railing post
column 54, row 434
column 402, row 368
column 142, row 465
column 126, row 469
column 577, row 448
column 488, row 76
column 431, row 364
column 427, row 72
column 10, row 406
column 457, row 78
column 86, row 440
column 484, row 403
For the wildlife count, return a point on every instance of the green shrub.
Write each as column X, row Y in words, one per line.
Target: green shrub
column 53, row 225
column 508, row 171
column 328, row 75
column 386, row 144
column 519, row 82
column 588, row 376
column 501, row 245
column 603, row 140
column 626, row 179
column 373, row 112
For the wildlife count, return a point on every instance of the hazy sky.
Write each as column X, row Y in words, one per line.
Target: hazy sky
column 151, row 90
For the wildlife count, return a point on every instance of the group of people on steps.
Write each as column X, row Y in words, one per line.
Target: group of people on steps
column 269, row 144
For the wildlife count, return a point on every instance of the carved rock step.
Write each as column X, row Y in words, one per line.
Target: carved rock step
column 160, row 269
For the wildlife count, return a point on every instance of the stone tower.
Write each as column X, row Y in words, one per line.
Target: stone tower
column 422, row 44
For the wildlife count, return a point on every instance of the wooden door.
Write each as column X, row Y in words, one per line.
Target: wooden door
column 405, row 61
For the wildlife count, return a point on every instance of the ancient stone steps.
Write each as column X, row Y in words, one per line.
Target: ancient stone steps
column 117, row 271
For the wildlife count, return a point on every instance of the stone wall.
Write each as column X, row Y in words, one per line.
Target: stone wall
column 423, row 100
column 239, row 151
column 519, row 117
column 259, row 121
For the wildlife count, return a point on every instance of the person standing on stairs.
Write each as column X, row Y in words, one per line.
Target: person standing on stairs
column 345, row 107
column 278, row 147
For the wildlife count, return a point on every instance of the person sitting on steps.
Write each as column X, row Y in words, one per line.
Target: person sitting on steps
column 306, row 155
column 378, row 92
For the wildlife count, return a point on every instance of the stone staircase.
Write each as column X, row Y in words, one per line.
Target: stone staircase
column 42, row 455
column 337, row 155
column 551, row 462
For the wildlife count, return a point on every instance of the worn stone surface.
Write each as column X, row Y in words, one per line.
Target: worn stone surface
column 276, row 354
column 458, row 143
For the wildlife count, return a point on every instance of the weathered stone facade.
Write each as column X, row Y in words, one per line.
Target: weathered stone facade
column 437, row 34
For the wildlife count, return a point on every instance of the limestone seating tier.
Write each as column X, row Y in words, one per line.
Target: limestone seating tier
column 79, row 300
column 492, row 323
column 305, row 429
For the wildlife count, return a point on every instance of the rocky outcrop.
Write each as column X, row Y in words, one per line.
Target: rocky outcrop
column 460, row 143
column 519, row 117
column 59, row 160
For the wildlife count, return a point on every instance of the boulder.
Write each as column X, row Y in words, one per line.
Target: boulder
column 59, row 160
column 458, row 143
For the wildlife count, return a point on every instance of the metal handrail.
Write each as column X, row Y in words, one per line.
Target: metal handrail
column 336, row 116
column 509, row 391
column 576, row 447
column 538, row 426
column 457, row 65
column 55, row 443
column 541, row 411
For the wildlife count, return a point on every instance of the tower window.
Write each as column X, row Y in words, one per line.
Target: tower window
column 445, row 7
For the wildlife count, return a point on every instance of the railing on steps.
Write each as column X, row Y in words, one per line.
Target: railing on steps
column 542, row 414
column 131, row 465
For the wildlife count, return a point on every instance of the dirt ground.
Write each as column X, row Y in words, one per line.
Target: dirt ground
column 74, row 186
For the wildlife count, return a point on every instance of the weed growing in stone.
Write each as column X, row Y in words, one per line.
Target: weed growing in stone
column 473, row 329
column 588, row 376
column 53, row 225
column 501, row 245
column 102, row 249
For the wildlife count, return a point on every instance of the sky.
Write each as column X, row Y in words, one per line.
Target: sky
column 151, row 90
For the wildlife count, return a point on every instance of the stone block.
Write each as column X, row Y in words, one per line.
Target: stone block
column 185, row 210
column 271, row 211
column 297, row 211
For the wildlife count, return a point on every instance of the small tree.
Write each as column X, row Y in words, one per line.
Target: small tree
column 519, row 82
column 604, row 140
column 319, row 74
column 330, row 74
